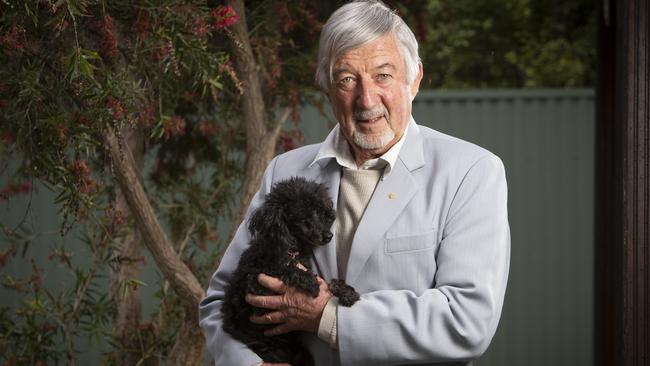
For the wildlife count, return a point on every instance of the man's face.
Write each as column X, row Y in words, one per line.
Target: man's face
column 370, row 97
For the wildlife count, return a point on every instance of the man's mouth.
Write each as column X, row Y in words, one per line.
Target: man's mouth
column 369, row 121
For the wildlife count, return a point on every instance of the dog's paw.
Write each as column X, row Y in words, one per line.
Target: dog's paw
column 346, row 294
column 305, row 281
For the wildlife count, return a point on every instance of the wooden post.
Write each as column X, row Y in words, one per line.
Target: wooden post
column 623, row 184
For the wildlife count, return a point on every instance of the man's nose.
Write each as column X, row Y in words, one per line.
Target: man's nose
column 367, row 96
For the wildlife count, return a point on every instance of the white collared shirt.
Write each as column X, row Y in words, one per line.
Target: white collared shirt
column 336, row 146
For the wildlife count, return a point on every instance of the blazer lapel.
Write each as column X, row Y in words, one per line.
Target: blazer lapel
column 325, row 256
column 391, row 196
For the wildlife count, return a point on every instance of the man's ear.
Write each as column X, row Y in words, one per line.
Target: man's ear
column 415, row 87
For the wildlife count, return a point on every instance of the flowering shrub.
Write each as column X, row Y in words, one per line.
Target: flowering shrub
column 159, row 76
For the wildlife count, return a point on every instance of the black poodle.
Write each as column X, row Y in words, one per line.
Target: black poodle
column 295, row 218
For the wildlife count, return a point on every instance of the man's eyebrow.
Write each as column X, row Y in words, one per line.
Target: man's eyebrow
column 340, row 70
column 386, row 65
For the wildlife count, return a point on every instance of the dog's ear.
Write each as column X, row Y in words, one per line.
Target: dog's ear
column 267, row 221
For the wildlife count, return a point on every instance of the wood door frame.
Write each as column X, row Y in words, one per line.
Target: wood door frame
column 622, row 265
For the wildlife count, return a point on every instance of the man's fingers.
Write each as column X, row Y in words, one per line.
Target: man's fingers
column 272, row 283
column 280, row 329
column 266, row 302
column 270, row 318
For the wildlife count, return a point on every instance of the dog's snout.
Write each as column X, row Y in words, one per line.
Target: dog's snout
column 327, row 236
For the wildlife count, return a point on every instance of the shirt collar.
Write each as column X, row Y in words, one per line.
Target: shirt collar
column 336, row 147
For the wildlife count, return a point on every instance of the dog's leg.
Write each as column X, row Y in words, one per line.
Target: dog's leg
column 302, row 280
column 347, row 294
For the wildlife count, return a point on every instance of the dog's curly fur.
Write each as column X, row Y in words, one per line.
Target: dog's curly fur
column 295, row 218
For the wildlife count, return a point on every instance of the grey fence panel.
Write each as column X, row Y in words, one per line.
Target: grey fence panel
column 546, row 140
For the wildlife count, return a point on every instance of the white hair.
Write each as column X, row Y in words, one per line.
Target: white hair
column 356, row 24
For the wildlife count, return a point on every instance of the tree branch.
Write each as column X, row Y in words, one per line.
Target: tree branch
column 279, row 123
column 260, row 140
column 181, row 279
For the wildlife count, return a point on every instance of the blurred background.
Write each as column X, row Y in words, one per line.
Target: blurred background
column 79, row 283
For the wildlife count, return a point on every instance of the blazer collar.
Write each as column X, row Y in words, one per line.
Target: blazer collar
column 410, row 153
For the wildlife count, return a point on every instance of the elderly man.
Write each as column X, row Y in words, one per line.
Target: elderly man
column 421, row 230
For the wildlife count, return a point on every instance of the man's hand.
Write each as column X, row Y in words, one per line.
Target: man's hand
column 294, row 310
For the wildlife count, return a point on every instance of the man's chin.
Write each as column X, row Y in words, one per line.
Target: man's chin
column 373, row 142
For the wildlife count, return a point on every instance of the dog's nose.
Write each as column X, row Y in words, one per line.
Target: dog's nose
column 327, row 236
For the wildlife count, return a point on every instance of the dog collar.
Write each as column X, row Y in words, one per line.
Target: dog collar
column 292, row 253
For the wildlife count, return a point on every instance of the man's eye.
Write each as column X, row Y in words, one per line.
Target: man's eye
column 384, row 76
column 346, row 81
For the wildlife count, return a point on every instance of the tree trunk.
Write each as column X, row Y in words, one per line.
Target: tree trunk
column 190, row 345
column 127, row 252
column 261, row 135
column 180, row 278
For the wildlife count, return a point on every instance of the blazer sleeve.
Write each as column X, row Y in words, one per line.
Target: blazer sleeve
column 224, row 349
column 456, row 319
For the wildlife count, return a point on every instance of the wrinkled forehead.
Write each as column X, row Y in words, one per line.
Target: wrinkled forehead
column 384, row 49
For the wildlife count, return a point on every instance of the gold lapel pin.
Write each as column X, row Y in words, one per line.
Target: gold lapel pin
column 392, row 196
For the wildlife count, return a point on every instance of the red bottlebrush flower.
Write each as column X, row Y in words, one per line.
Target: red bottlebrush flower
column 287, row 142
column 142, row 26
column 5, row 254
column 161, row 53
column 223, row 17
column 147, row 326
column 175, row 127
column 61, row 255
column 314, row 25
column 25, row 187
column 84, row 121
column 108, row 46
column 230, row 70
column 200, row 27
column 12, row 190
column 208, row 129
column 281, row 11
column 213, row 235
column 270, row 52
column 8, row 137
column 86, row 185
column 36, row 279
column 119, row 218
column 147, row 115
column 116, row 107
column 62, row 131
column 14, row 38
column 7, row 192
column 81, row 169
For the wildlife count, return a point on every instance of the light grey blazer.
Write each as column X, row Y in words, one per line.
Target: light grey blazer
column 430, row 258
